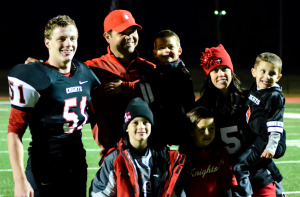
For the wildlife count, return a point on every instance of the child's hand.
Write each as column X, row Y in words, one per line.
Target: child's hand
column 113, row 87
column 267, row 154
column 31, row 59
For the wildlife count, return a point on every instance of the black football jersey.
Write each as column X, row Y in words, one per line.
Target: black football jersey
column 265, row 110
column 57, row 104
column 231, row 128
column 264, row 115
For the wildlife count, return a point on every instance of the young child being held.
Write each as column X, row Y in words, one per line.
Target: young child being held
column 135, row 168
column 265, row 111
column 172, row 88
column 266, row 101
column 207, row 170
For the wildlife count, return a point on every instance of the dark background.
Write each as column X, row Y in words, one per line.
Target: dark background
column 249, row 28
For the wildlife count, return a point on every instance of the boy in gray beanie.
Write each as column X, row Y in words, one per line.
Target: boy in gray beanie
column 135, row 168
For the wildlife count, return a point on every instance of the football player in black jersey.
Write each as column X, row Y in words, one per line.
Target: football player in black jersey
column 51, row 98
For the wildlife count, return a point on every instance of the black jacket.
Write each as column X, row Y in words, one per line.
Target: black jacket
column 171, row 98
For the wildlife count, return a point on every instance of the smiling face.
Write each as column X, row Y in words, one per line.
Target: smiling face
column 139, row 130
column 62, row 45
column 123, row 43
column 167, row 49
column 266, row 74
column 221, row 78
column 204, row 132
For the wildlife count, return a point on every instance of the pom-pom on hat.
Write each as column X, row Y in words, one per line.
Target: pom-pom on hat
column 214, row 57
column 118, row 21
column 137, row 108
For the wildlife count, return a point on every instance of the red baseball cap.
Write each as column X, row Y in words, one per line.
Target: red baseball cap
column 119, row 20
column 215, row 57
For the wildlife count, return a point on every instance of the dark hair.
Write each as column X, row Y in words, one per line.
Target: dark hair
column 235, row 86
column 110, row 32
column 199, row 113
column 166, row 34
column 195, row 115
column 209, row 93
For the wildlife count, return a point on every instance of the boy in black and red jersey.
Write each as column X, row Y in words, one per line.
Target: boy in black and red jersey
column 136, row 168
column 265, row 112
column 52, row 98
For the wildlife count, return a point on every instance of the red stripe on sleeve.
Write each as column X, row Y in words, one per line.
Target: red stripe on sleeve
column 18, row 121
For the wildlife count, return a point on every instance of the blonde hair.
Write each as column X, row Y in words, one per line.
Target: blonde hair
column 271, row 58
column 58, row 21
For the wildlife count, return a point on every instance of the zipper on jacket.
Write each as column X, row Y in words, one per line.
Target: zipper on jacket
column 167, row 182
column 132, row 169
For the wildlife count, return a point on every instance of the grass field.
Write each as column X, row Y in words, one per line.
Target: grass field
column 289, row 164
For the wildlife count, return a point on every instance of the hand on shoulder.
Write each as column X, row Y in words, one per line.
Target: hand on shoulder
column 31, row 59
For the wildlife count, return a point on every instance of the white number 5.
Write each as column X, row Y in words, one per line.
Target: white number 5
column 233, row 143
column 72, row 116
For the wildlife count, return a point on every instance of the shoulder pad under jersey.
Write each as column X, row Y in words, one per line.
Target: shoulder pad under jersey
column 25, row 82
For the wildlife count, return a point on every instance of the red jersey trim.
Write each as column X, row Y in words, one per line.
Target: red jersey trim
column 64, row 74
column 18, row 121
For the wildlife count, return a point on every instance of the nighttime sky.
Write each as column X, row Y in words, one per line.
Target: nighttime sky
column 247, row 29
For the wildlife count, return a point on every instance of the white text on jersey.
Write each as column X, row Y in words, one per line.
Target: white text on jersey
column 254, row 99
column 74, row 89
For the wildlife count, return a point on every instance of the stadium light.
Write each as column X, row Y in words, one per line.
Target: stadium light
column 218, row 21
column 222, row 13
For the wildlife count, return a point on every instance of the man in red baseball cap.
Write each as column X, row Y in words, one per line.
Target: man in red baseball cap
column 119, row 20
column 119, row 71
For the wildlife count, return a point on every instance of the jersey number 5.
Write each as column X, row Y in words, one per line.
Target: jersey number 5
column 233, row 144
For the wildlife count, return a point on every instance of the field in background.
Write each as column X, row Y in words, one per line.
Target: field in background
column 289, row 82
column 289, row 164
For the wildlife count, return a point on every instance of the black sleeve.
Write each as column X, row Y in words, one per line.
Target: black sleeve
column 275, row 107
column 189, row 101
